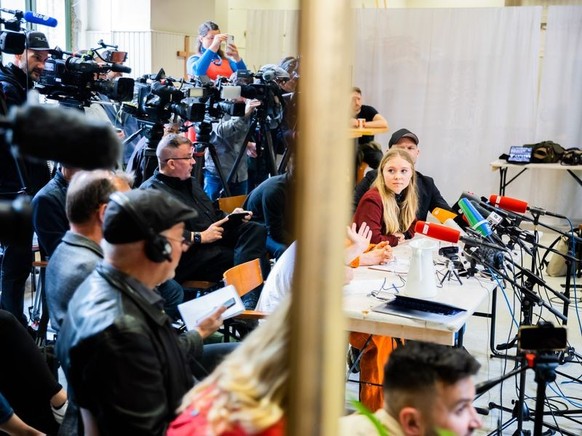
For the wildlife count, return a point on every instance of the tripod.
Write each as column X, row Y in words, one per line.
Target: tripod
column 451, row 272
column 203, row 131
column 259, row 130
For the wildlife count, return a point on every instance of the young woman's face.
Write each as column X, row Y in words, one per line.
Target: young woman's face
column 397, row 173
column 208, row 38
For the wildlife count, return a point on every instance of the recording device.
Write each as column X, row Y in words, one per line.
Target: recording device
column 519, row 206
column 36, row 18
column 13, row 38
column 542, row 338
column 447, row 234
column 48, row 132
column 234, row 220
column 74, row 79
column 229, row 40
column 476, row 220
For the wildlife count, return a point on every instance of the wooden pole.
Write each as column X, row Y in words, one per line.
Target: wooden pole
column 324, row 168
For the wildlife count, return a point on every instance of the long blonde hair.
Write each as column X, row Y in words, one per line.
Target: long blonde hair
column 250, row 387
column 397, row 217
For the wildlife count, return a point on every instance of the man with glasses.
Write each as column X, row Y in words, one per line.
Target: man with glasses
column 126, row 368
column 217, row 244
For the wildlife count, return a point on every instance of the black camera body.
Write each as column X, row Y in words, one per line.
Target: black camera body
column 77, row 79
column 542, row 338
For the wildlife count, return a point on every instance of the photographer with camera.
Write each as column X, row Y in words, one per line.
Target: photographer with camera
column 18, row 176
column 211, row 61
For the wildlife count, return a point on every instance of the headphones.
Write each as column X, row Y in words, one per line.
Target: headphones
column 157, row 248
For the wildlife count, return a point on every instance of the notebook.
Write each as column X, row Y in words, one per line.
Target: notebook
column 416, row 308
column 194, row 311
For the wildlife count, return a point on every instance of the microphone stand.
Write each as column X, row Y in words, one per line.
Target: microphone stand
column 544, row 365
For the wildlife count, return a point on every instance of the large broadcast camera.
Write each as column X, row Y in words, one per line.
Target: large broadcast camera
column 73, row 80
column 158, row 97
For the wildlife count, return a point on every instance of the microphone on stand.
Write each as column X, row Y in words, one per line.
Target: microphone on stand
column 519, row 206
column 476, row 220
column 448, row 234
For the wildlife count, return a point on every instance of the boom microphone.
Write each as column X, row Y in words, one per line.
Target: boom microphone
column 519, row 206
column 35, row 18
column 49, row 132
column 447, row 234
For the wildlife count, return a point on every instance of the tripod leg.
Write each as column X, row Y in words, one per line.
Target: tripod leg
column 272, row 161
column 214, row 157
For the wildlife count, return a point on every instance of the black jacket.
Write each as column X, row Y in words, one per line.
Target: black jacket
column 14, row 86
column 429, row 196
column 122, row 359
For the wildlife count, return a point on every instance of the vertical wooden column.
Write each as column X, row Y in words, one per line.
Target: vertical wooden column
column 324, row 168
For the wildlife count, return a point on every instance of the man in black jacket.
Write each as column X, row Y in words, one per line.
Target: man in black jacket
column 429, row 196
column 127, row 371
column 217, row 245
column 18, row 176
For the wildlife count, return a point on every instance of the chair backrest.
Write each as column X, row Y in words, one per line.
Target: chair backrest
column 244, row 277
column 228, row 204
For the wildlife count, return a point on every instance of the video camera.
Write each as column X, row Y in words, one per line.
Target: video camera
column 12, row 38
column 75, row 79
column 158, row 97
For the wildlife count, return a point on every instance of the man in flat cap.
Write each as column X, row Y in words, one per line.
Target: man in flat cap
column 126, row 368
column 19, row 176
column 429, row 196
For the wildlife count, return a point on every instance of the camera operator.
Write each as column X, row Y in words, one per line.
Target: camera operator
column 16, row 175
column 273, row 115
column 227, row 138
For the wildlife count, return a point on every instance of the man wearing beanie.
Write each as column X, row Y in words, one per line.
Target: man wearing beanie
column 127, row 371
column 429, row 196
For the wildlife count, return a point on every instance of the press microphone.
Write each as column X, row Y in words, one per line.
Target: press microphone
column 48, row 132
column 447, row 234
column 442, row 215
column 476, row 220
column 36, row 18
column 519, row 206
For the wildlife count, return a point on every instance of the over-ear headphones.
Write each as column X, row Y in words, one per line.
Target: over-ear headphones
column 157, row 248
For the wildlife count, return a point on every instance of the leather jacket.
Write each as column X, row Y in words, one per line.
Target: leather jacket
column 122, row 359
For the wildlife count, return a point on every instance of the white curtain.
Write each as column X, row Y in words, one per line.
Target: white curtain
column 559, row 115
column 271, row 35
column 463, row 80
column 469, row 83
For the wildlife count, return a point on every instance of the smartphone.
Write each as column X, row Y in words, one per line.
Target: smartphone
column 234, row 219
column 229, row 40
column 229, row 303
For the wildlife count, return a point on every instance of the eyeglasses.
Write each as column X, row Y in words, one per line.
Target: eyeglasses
column 185, row 241
column 180, row 158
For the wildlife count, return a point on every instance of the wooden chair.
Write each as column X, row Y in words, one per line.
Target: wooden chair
column 228, row 204
column 244, row 277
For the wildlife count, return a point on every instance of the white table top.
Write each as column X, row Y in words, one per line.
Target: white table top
column 358, row 303
column 500, row 163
